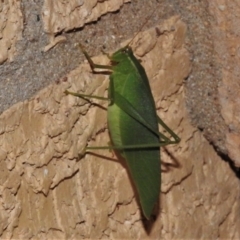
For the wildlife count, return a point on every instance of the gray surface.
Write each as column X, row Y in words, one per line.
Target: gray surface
column 33, row 69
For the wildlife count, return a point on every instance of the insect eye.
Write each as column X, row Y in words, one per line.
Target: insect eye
column 125, row 50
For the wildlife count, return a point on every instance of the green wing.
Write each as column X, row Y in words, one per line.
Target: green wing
column 143, row 163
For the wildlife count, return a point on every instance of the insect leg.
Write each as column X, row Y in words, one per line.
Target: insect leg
column 127, row 107
column 84, row 95
column 137, row 146
column 91, row 63
column 124, row 147
column 174, row 135
column 93, row 66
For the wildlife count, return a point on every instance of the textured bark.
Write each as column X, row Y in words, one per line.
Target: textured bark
column 72, row 14
column 11, row 25
column 29, row 29
column 47, row 192
column 226, row 43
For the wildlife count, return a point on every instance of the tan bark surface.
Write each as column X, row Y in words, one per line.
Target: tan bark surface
column 47, row 192
column 11, row 25
column 227, row 47
column 72, row 14
column 28, row 27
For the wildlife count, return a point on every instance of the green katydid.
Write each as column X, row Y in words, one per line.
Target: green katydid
column 133, row 123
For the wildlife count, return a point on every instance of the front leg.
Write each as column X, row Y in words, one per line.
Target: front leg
column 91, row 63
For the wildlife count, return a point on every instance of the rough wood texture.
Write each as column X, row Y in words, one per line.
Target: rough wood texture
column 47, row 192
column 226, row 43
column 28, row 27
column 11, row 26
column 72, row 14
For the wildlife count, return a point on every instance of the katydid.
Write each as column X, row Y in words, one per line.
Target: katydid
column 133, row 123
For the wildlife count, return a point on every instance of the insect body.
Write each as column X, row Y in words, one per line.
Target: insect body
column 133, row 124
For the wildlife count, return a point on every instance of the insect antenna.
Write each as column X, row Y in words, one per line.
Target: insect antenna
column 145, row 22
